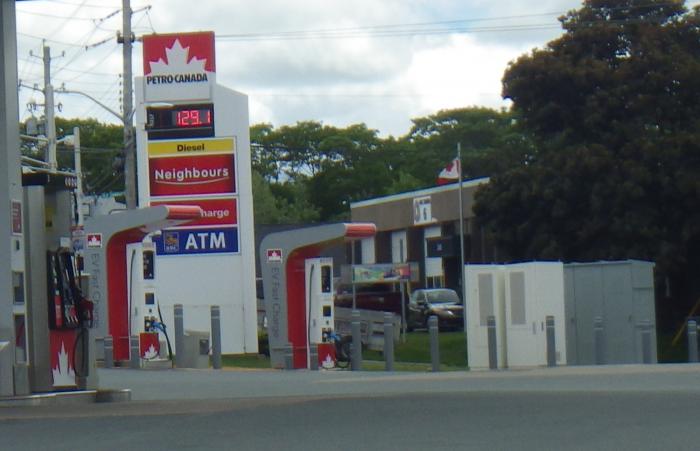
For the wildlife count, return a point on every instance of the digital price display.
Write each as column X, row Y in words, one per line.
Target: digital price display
column 193, row 117
column 180, row 121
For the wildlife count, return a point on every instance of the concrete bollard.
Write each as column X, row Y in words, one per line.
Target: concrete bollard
column 692, row 341
column 388, row 342
column 216, row 337
column 598, row 343
column 135, row 355
column 551, row 344
column 646, row 341
column 356, row 359
column 289, row 357
column 109, row 351
column 179, row 336
column 434, row 343
column 491, row 336
column 313, row 357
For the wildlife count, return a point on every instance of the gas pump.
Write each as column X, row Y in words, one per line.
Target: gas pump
column 59, row 316
column 319, row 310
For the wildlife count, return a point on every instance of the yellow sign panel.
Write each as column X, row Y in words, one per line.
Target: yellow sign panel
column 190, row 147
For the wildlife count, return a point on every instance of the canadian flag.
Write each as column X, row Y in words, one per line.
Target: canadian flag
column 451, row 173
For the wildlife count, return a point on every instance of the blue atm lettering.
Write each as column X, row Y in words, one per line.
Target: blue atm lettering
column 197, row 241
column 205, row 241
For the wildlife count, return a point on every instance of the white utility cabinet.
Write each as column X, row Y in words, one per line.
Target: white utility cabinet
column 533, row 291
column 484, row 298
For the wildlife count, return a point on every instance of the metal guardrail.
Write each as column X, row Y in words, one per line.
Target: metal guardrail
column 371, row 326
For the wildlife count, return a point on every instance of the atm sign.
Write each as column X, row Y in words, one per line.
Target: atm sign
column 197, row 241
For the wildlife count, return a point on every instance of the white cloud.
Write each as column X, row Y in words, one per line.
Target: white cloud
column 382, row 81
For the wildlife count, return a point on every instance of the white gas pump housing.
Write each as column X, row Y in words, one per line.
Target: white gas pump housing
column 319, row 309
column 142, row 300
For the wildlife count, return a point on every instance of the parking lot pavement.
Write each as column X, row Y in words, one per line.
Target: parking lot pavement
column 212, row 384
column 603, row 408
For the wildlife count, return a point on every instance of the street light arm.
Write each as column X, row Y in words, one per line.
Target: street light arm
column 124, row 120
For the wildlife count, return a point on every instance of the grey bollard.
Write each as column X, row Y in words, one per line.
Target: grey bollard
column 692, row 341
column 216, row 337
column 551, row 344
column 388, row 342
column 109, row 352
column 356, row 360
column 313, row 357
column 646, row 341
column 289, row 357
column 491, row 335
column 135, row 355
column 434, row 343
column 179, row 336
column 598, row 344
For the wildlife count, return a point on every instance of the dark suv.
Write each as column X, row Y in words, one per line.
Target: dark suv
column 441, row 302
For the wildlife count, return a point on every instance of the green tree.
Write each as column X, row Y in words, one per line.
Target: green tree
column 101, row 152
column 291, row 208
column 490, row 143
column 612, row 107
column 320, row 168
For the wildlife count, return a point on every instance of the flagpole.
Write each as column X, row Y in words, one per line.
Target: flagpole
column 461, row 239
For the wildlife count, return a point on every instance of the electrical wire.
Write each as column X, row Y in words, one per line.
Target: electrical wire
column 88, row 150
column 374, row 28
column 495, row 24
column 112, row 182
column 84, row 5
column 97, row 63
column 165, row 332
column 148, row 15
column 457, row 26
column 53, row 16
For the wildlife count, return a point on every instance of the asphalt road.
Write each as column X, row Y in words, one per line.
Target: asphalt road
column 616, row 408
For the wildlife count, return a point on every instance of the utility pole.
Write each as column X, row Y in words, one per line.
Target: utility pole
column 10, row 194
column 127, row 39
column 49, row 112
column 78, row 174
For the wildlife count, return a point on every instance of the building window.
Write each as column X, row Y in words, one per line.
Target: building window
column 435, row 281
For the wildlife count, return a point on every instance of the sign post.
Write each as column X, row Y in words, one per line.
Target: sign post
column 11, row 243
column 194, row 149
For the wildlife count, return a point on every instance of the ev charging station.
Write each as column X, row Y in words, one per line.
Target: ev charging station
column 144, row 316
column 318, row 274
column 107, row 238
column 298, row 288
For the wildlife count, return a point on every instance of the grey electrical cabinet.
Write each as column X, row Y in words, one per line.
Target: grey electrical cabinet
column 621, row 295
column 196, row 352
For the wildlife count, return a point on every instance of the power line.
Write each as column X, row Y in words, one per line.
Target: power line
column 96, row 64
column 394, row 34
column 79, row 71
column 84, row 5
column 53, row 16
column 40, row 38
column 383, row 27
column 93, row 150
column 456, row 26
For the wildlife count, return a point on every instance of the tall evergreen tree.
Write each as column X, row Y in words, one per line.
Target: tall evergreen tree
column 614, row 109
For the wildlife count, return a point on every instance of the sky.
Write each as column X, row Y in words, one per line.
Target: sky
column 339, row 62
